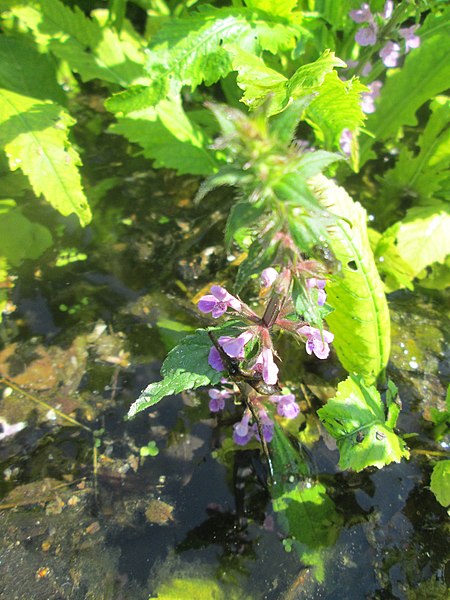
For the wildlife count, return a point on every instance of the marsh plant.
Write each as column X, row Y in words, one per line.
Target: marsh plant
column 291, row 107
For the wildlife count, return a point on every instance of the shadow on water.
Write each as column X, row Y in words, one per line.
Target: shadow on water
column 194, row 521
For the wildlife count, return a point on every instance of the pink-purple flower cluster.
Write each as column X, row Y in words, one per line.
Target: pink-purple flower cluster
column 367, row 36
column 261, row 365
column 245, row 429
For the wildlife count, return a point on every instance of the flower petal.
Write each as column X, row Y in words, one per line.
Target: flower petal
column 214, row 360
column 268, row 276
column 206, row 303
column 270, row 369
column 367, row 36
column 362, row 14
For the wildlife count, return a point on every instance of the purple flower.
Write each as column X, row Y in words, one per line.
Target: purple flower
column 390, row 54
column 345, row 141
column 320, row 285
column 215, row 360
column 268, row 276
column 286, row 405
column 316, row 341
column 265, row 364
column 242, row 433
column 368, row 98
column 234, row 347
column 218, row 301
column 411, row 40
column 362, row 14
column 267, row 426
column 367, row 36
column 387, row 10
column 217, row 399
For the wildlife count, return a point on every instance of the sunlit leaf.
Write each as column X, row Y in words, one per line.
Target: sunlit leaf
column 282, row 8
column 336, row 107
column 197, row 49
column 259, row 81
column 440, row 482
column 430, row 225
column 357, row 421
column 185, row 588
column 170, row 138
column 395, row 271
column 34, row 135
column 92, row 51
column 360, row 321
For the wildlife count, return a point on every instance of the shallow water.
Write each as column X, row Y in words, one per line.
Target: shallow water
column 194, row 521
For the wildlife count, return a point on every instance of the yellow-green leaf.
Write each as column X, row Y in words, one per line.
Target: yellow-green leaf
column 360, row 320
column 34, row 135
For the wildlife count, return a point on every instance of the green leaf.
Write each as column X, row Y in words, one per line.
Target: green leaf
column 258, row 81
column 425, row 74
column 20, row 238
column 395, row 271
column 436, row 277
column 196, row 49
column 440, row 482
column 360, row 321
column 355, row 417
column 186, row 367
column 242, row 220
column 430, row 225
column 28, row 72
column 168, row 136
column 260, row 255
column 92, row 51
column 336, row 107
column 422, row 175
column 34, row 135
column 307, row 219
column 309, row 515
column 184, row 588
column 282, row 8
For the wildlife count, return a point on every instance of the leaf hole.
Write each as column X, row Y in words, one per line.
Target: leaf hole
column 352, row 265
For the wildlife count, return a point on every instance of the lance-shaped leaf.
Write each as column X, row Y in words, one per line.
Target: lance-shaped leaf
column 360, row 321
column 34, row 135
column 356, row 419
column 92, row 51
